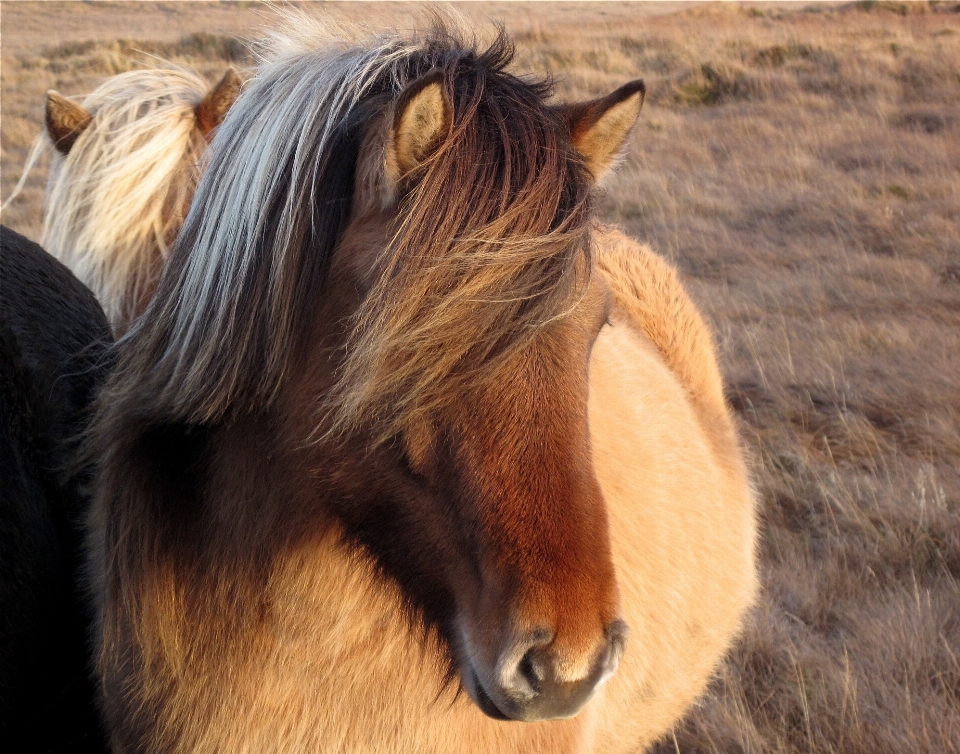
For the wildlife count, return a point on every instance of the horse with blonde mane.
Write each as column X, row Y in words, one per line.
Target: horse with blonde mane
column 125, row 166
column 392, row 429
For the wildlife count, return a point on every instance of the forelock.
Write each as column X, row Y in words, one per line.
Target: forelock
column 487, row 272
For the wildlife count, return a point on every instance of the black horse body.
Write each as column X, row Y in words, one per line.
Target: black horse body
column 54, row 356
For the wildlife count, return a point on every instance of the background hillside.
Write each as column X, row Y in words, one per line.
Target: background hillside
column 801, row 166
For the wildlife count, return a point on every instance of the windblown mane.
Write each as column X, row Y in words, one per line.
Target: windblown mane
column 490, row 245
column 116, row 200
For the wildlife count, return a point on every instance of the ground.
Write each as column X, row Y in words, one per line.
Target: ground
column 801, row 166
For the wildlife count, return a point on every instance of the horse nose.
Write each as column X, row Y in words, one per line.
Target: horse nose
column 534, row 679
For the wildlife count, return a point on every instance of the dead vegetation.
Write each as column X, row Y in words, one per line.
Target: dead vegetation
column 802, row 168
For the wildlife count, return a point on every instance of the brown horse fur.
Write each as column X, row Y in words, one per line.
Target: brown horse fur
column 213, row 108
column 350, row 456
column 123, row 176
column 65, row 119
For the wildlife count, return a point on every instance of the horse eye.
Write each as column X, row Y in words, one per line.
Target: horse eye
column 406, row 464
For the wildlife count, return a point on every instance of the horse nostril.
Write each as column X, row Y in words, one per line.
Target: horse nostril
column 523, row 669
column 616, row 634
column 531, row 671
column 532, row 683
column 617, row 631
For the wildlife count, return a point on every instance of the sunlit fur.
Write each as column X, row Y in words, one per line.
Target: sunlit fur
column 237, row 611
column 116, row 200
column 680, row 503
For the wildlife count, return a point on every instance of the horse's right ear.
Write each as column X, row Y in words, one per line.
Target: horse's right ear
column 421, row 118
column 65, row 120
column 213, row 109
column 599, row 129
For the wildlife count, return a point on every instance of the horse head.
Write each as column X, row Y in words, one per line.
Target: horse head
column 395, row 283
column 462, row 295
column 123, row 176
column 65, row 118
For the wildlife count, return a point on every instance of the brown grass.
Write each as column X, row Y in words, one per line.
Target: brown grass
column 802, row 167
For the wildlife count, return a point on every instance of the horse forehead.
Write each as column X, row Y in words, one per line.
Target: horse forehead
column 553, row 364
column 537, row 398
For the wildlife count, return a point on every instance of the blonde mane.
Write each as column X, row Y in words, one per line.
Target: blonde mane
column 452, row 291
column 116, row 201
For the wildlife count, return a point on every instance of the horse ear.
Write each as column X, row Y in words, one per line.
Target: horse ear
column 212, row 110
column 422, row 116
column 65, row 120
column 599, row 128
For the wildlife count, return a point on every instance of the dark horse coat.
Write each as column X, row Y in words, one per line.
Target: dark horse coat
column 54, row 346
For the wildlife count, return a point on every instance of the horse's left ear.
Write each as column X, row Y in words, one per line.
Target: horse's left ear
column 212, row 110
column 65, row 119
column 599, row 128
column 421, row 118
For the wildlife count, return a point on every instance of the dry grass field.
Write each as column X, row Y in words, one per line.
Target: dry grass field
column 801, row 166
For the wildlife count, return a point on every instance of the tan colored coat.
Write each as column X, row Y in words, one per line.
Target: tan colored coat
column 682, row 528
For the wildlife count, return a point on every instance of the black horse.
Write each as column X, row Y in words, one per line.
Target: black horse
column 54, row 355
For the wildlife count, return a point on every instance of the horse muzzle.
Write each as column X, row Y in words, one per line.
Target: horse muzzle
column 529, row 682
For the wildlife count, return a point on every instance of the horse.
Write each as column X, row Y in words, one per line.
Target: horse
column 126, row 161
column 54, row 356
column 406, row 445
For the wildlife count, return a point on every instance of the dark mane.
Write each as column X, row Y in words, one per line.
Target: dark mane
column 455, row 289
column 460, row 288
